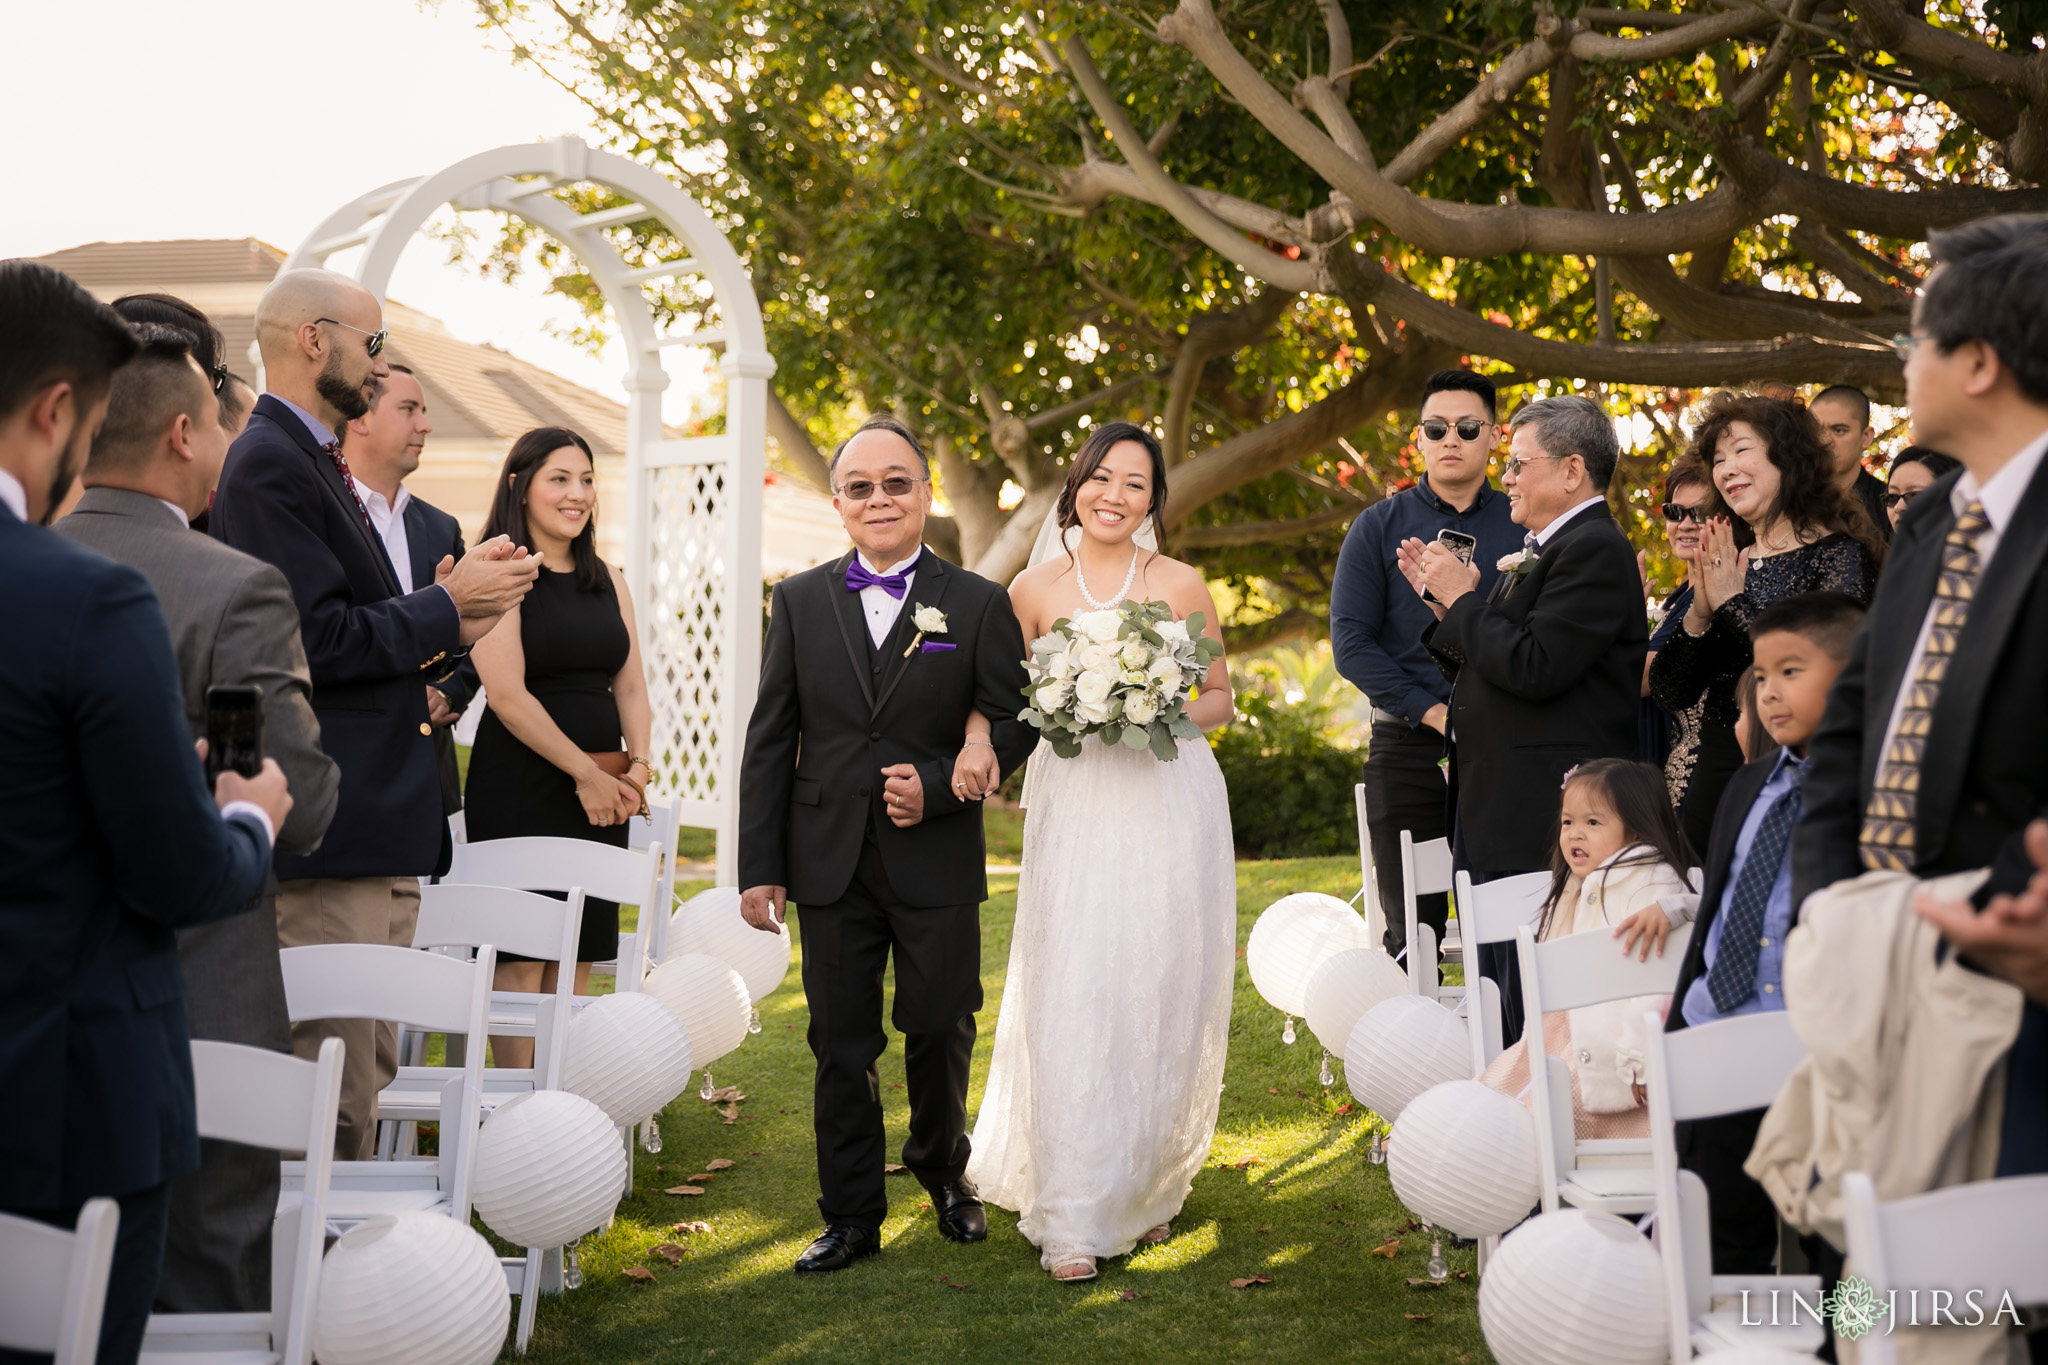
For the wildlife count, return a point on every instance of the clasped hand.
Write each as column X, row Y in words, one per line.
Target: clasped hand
column 2008, row 938
column 1433, row 570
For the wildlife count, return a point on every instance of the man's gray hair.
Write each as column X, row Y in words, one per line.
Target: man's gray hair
column 1572, row 424
column 884, row 422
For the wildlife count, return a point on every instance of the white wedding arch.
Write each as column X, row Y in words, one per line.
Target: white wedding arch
column 694, row 504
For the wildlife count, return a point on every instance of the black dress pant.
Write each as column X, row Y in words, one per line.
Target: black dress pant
column 1742, row 1221
column 131, row 1287
column 846, row 946
column 217, row 1252
column 1404, row 789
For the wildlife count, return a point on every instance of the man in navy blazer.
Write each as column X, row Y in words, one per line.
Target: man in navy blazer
column 109, row 842
column 372, row 646
column 383, row 448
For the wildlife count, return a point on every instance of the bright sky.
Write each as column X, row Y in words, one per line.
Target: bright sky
column 135, row 120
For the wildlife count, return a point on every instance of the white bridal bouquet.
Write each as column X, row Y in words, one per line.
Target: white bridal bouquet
column 1122, row 673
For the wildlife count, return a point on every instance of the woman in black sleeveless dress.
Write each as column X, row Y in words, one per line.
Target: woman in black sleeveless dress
column 562, row 681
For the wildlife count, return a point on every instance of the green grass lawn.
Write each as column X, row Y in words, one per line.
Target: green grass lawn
column 1287, row 1193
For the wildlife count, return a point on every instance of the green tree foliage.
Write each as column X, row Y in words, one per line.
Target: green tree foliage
column 1259, row 225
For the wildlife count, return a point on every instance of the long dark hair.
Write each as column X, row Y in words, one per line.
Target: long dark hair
column 1636, row 792
column 1808, row 497
column 508, row 505
column 1089, row 458
column 1937, row 463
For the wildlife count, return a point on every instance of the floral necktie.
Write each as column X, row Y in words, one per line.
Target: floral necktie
column 333, row 449
column 1887, row 837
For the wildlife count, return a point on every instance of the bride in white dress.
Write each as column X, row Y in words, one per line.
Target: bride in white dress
column 1108, row 1065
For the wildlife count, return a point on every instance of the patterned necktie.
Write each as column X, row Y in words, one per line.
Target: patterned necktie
column 1887, row 837
column 1530, row 543
column 1733, row 977
column 333, row 449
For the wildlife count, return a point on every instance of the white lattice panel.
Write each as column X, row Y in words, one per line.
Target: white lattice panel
column 691, row 606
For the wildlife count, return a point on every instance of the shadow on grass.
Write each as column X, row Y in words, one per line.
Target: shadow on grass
column 1286, row 1193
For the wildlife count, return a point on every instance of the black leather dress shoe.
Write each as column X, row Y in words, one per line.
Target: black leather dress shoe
column 961, row 1216
column 838, row 1248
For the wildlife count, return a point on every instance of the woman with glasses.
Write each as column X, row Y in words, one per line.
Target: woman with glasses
column 1914, row 470
column 1673, row 739
column 1793, row 530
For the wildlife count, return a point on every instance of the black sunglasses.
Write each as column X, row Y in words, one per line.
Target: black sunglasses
column 1435, row 428
column 220, row 377
column 860, row 490
column 1892, row 500
column 374, row 345
column 1678, row 511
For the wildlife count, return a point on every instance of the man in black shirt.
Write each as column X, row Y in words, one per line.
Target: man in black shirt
column 1844, row 416
column 1377, row 621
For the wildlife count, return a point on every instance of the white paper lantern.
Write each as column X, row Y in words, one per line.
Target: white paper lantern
column 549, row 1168
column 709, row 997
column 628, row 1054
column 1294, row 936
column 1400, row 1048
column 1463, row 1156
column 1343, row 988
column 1574, row 1288
column 411, row 1289
column 710, row 923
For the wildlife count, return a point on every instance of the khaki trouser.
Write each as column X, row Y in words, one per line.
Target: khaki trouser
column 351, row 910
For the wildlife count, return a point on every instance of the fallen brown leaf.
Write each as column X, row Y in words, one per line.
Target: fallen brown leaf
column 958, row 1284
column 1247, row 1163
column 1389, row 1250
column 1262, row 1231
column 718, row 1164
column 1461, row 1274
column 779, row 1111
column 725, row 1094
column 1272, row 1090
column 893, row 1169
column 1271, row 1183
column 638, row 1274
column 731, row 1112
column 1411, row 1225
column 684, row 1189
column 1248, row 1281
column 1129, row 1295
column 1344, row 1242
column 1420, row 1317
column 1426, row 1283
column 1346, row 1107
column 670, row 1252
column 695, row 1225
column 702, row 1175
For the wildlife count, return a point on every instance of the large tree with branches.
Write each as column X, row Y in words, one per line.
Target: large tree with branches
column 1260, row 223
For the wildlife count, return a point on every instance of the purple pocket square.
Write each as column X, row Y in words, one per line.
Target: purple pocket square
column 934, row 647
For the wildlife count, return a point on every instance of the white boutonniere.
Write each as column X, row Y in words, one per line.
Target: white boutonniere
column 929, row 621
column 1515, row 566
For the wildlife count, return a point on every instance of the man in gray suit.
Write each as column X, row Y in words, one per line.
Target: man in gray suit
column 152, row 468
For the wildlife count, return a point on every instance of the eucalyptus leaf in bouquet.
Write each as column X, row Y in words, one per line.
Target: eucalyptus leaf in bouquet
column 1122, row 673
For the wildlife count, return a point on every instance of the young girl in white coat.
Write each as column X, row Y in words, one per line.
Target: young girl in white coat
column 1620, row 867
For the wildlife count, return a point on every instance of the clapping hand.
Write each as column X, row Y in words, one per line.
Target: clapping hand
column 2009, row 937
column 1433, row 570
column 1721, row 568
column 486, row 583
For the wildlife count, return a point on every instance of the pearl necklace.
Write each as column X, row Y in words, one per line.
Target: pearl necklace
column 1130, row 576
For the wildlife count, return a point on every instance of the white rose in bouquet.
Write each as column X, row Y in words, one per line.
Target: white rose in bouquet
column 1093, row 658
column 1055, row 696
column 1167, row 673
column 1141, row 709
column 1092, row 712
column 1060, row 664
column 1134, row 654
column 1099, row 626
column 1174, row 632
column 1092, row 689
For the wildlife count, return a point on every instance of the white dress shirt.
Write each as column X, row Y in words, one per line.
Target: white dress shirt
column 1543, row 536
column 389, row 520
column 880, row 609
column 2000, row 498
column 13, row 495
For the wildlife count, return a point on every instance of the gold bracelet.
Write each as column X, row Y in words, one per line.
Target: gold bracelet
column 642, row 762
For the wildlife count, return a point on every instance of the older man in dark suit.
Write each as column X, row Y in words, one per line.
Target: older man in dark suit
column 286, row 497
column 1933, row 757
column 1547, row 670
column 109, row 841
column 153, row 467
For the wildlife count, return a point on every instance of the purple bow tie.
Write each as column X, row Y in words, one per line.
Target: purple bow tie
column 858, row 577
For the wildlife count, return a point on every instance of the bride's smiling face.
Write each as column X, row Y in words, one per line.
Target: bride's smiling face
column 1112, row 502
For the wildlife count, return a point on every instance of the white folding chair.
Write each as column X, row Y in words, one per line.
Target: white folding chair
column 1375, row 913
column 1607, row 1175
column 657, row 836
column 628, row 876
column 1727, row 1067
column 264, row 1099
column 425, row 991
column 53, row 1283
column 1984, row 1236
column 1426, row 871
column 1490, row 913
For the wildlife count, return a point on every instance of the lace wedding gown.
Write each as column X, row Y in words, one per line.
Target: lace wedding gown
column 1108, row 1064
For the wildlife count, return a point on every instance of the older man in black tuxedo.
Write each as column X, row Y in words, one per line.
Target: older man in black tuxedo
column 847, row 807
column 1547, row 670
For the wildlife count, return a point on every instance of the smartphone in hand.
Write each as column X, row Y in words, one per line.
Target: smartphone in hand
column 234, row 731
column 1459, row 544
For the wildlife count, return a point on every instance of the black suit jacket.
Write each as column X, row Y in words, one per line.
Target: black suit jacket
column 1736, row 799
column 823, row 729
column 1985, row 774
column 430, row 535
column 371, row 650
column 109, row 843
column 1545, row 676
